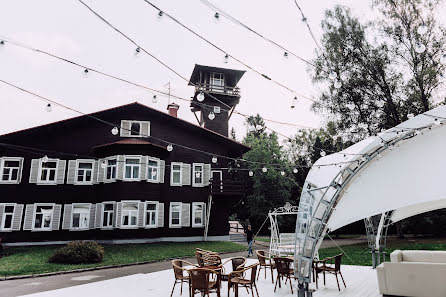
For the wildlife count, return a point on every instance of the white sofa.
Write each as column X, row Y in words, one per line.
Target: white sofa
column 413, row 273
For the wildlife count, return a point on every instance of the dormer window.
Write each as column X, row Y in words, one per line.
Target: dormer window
column 133, row 128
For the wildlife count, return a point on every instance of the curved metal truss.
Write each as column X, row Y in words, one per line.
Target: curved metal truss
column 311, row 224
column 376, row 228
column 276, row 245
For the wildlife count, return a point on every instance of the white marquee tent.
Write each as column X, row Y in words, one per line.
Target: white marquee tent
column 399, row 172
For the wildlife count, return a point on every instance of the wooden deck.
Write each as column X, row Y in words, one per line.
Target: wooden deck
column 361, row 282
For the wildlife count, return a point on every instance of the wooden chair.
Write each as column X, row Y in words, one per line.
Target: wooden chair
column 200, row 279
column 207, row 258
column 265, row 262
column 329, row 268
column 178, row 270
column 283, row 267
column 238, row 263
column 237, row 279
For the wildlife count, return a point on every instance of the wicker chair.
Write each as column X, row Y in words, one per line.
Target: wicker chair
column 200, row 279
column 329, row 268
column 236, row 279
column 180, row 277
column 265, row 262
column 207, row 258
column 238, row 263
column 283, row 267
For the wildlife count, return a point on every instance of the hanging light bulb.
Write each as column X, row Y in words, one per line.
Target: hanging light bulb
column 351, row 106
column 170, row 148
column 300, row 133
column 251, row 173
column 420, row 48
column 2, row 42
column 264, row 169
column 363, row 158
column 214, row 159
column 332, row 75
column 422, row 29
column 200, row 96
column 216, row 17
column 304, row 19
column 337, row 84
column 380, row 104
column 285, row 55
column 259, row 127
column 293, row 105
column 160, row 15
column 137, row 51
column 323, row 153
column 226, row 59
column 115, row 131
column 443, row 59
column 295, row 170
column 343, row 76
column 48, row 107
column 282, row 173
column 103, row 165
column 410, row 115
column 45, row 159
column 211, row 115
column 154, row 99
column 86, row 72
column 417, row 132
column 437, row 122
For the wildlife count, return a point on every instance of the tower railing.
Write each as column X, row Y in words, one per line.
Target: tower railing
column 227, row 90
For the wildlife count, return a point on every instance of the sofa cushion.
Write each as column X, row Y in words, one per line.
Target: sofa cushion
column 424, row 256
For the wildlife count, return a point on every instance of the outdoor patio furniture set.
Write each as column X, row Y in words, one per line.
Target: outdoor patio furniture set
column 207, row 275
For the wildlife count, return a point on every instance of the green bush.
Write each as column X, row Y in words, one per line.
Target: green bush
column 78, row 252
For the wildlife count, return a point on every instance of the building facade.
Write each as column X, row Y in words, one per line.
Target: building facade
column 139, row 182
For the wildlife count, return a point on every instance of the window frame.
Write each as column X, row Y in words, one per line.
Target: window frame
column 122, row 214
column 19, row 172
column 2, row 223
column 141, row 123
column 39, row 174
column 200, row 184
column 139, row 157
column 113, row 219
column 180, row 204
column 146, row 225
column 212, row 79
column 88, row 216
column 76, row 182
column 172, row 172
column 107, row 166
column 158, row 169
column 33, row 228
column 202, row 214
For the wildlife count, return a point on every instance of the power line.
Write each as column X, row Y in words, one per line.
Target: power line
column 305, row 20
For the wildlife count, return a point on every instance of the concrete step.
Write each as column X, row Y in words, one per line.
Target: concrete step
column 237, row 237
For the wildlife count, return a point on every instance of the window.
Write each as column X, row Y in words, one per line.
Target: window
column 151, row 211
column 48, row 171
column 84, row 172
column 130, row 128
column 8, row 214
column 217, row 81
column 176, row 174
column 42, row 217
column 81, row 216
column 10, row 169
column 135, row 129
column 198, row 214
column 129, row 214
column 152, row 170
column 175, row 214
column 132, row 168
column 198, row 174
column 110, row 170
column 107, row 215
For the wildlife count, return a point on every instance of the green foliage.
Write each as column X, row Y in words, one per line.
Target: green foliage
column 78, row 252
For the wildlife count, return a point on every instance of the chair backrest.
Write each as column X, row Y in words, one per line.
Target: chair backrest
column 261, row 257
column 177, row 265
column 338, row 260
column 283, row 265
column 253, row 272
column 238, row 263
column 200, row 278
column 199, row 257
column 209, row 259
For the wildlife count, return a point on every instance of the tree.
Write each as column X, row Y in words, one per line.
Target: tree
column 233, row 135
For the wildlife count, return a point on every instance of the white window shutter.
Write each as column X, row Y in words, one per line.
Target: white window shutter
column 61, row 172
column 19, row 180
column 185, row 215
column 118, row 215
column 29, row 214
column 57, row 209
column 162, row 171
column 98, row 221
column 143, row 175
column 96, row 169
column 92, row 216
column 204, row 215
column 160, row 215
column 125, row 128
column 206, row 174
column 101, row 171
column 145, row 129
column 34, row 171
column 17, row 218
column 71, row 174
column 186, row 172
column 67, row 215
column 120, row 167
column 2, row 209
column 114, row 214
column 141, row 215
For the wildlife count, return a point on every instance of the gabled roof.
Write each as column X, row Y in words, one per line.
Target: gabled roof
column 237, row 74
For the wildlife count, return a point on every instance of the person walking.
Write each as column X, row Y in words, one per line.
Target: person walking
column 249, row 238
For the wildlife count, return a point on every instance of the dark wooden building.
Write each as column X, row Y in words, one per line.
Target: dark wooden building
column 83, row 179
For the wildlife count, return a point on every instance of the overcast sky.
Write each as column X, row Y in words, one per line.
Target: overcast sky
column 68, row 29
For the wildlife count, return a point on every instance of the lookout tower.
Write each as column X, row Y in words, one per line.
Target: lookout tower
column 216, row 95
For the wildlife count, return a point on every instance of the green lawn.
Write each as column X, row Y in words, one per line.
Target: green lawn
column 34, row 260
column 360, row 254
column 263, row 238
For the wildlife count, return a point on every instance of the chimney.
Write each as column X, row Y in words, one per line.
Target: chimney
column 173, row 109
